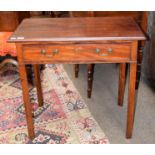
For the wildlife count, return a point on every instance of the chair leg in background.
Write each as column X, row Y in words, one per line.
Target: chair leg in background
column 76, row 70
column 90, row 72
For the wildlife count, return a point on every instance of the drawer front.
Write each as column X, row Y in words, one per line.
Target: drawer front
column 47, row 53
column 76, row 53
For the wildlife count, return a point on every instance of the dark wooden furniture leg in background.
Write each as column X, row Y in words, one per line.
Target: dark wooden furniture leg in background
column 141, row 45
column 121, row 84
column 76, row 70
column 37, row 82
column 139, row 63
column 26, row 100
column 90, row 72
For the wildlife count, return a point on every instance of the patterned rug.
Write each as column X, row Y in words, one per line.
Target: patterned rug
column 64, row 118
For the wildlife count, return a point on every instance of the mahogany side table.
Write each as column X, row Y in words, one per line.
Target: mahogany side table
column 88, row 40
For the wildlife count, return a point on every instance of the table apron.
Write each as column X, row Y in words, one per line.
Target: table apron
column 77, row 54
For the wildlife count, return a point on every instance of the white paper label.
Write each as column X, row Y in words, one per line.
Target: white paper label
column 20, row 38
column 12, row 38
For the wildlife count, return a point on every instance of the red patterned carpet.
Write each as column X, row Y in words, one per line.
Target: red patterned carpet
column 64, row 118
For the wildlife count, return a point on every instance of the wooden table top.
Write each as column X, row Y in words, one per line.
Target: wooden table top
column 77, row 29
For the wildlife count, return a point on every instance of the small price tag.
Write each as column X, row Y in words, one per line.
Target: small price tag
column 20, row 38
column 13, row 38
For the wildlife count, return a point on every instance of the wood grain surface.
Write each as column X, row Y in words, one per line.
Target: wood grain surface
column 77, row 29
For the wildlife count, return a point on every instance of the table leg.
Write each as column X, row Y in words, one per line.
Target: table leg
column 131, row 100
column 121, row 86
column 37, row 82
column 90, row 72
column 139, row 62
column 27, row 105
column 76, row 70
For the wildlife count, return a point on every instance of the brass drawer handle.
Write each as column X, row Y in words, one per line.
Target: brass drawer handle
column 54, row 52
column 43, row 51
column 110, row 50
column 98, row 51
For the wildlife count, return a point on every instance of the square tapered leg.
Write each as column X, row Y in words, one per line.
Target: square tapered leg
column 37, row 82
column 131, row 100
column 27, row 105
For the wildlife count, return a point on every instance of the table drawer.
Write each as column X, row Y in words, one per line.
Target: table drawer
column 78, row 52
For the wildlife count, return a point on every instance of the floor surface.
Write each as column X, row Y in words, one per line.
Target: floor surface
column 103, row 104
